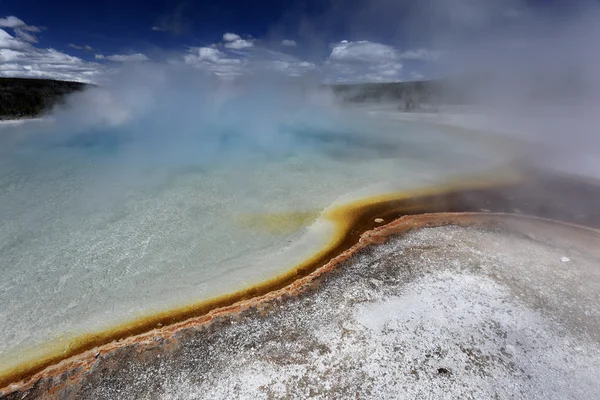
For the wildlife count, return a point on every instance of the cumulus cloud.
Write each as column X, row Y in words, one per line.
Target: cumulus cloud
column 239, row 44
column 230, row 64
column 348, row 61
column 138, row 57
column 209, row 55
column 235, row 41
column 231, row 37
column 293, row 68
column 363, row 51
column 214, row 61
column 363, row 61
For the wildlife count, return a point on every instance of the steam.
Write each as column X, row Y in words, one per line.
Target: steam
column 151, row 120
column 160, row 105
column 521, row 68
column 522, row 73
column 535, row 76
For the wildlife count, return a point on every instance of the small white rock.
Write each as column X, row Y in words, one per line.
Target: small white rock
column 565, row 259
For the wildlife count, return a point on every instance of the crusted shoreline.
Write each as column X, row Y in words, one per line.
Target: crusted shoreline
column 57, row 380
column 360, row 232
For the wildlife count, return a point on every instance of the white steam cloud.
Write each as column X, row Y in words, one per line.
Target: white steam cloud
column 158, row 117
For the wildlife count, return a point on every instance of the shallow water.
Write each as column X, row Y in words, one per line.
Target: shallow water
column 100, row 228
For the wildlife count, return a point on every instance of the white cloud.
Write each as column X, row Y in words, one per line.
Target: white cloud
column 357, row 61
column 291, row 68
column 159, row 28
column 25, row 36
column 15, row 23
column 214, row 61
column 363, row 61
column 138, row 57
column 8, row 55
column 350, row 62
column 235, row 41
column 45, row 63
column 230, row 37
column 421, row 54
column 21, row 29
column 363, row 51
column 239, row 44
column 7, row 41
column 208, row 54
column 11, row 22
column 230, row 64
column 84, row 47
column 19, row 58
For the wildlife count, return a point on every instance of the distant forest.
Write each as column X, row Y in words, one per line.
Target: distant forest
column 24, row 98
column 484, row 89
column 425, row 90
column 409, row 95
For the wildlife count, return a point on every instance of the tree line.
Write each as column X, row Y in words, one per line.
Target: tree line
column 24, row 98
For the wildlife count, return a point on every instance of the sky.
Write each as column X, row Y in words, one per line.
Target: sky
column 345, row 41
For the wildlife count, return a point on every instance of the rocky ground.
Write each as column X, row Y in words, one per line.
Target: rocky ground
column 442, row 312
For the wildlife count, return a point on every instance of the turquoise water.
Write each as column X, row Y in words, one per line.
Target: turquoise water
column 101, row 225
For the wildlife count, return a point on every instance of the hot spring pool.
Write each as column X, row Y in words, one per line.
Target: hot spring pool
column 101, row 228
